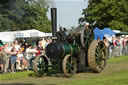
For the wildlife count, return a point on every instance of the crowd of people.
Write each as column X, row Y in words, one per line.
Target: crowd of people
column 117, row 46
column 19, row 55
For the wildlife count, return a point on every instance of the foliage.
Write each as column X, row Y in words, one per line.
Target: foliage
column 107, row 13
column 24, row 15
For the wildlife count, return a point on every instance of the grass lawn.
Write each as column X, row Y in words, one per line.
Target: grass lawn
column 118, row 59
column 17, row 75
column 120, row 78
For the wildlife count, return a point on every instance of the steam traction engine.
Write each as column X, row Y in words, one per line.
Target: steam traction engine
column 71, row 52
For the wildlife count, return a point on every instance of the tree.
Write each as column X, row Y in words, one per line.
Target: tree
column 107, row 13
column 23, row 15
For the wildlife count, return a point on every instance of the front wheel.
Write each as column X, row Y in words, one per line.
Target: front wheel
column 69, row 65
column 40, row 66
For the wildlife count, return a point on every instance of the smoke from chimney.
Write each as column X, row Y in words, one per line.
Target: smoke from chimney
column 51, row 3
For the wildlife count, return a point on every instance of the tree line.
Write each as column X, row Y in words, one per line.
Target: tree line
column 107, row 13
column 23, row 15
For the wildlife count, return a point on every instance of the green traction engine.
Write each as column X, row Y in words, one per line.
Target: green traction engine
column 71, row 53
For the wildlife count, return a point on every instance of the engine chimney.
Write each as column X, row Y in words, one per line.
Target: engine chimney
column 54, row 22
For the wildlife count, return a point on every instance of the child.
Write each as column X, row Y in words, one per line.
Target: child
column 21, row 58
column 14, row 59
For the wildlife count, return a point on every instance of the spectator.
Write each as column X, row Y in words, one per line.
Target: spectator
column 2, row 58
column 120, row 44
column 25, row 46
column 114, row 41
column 1, row 63
column 40, row 48
column 29, row 52
column 98, row 38
column 16, row 45
column 13, row 58
column 105, row 40
column 115, row 47
column 47, row 42
column 22, row 59
column 43, row 43
column 50, row 40
column 125, row 45
column 34, row 50
column 7, row 57
column 29, row 55
column 12, row 46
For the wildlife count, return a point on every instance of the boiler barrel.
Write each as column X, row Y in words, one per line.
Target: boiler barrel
column 58, row 50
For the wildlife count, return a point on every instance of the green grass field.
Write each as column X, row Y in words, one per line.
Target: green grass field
column 118, row 59
column 120, row 78
column 17, row 75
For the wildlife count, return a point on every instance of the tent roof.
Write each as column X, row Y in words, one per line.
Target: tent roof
column 108, row 31
column 11, row 35
column 97, row 32
column 122, row 33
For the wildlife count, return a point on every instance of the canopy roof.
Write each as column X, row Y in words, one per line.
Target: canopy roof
column 11, row 35
column 98, row 33
column 122, row 33
column 103, row 33
column 108, row 31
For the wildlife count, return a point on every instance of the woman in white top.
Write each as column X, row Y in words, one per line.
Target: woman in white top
column 21, row 58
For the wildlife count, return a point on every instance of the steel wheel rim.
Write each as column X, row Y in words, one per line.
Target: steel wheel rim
column 100, row 56
column 69, row 65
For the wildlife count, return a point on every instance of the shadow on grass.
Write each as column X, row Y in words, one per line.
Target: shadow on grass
column 59, row 73
column 50, row 73
column 19, row 84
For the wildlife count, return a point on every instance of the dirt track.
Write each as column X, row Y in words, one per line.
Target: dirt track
column 56, row 80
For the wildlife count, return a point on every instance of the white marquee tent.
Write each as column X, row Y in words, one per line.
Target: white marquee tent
column 12, row 35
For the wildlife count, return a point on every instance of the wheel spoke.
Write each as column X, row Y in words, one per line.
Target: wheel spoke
column 101, row 50
column 96, row 57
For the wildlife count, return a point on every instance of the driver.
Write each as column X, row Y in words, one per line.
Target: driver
column 87, row 27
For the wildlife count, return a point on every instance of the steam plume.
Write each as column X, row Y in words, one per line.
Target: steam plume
column 51, row 3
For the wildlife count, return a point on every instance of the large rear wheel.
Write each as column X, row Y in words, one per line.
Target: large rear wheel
column 97, row 56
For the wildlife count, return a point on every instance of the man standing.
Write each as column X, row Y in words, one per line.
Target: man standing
column 1, row 59
column 7, row 56
column 43, row 43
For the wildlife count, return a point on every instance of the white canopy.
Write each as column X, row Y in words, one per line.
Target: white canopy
column 10, row 36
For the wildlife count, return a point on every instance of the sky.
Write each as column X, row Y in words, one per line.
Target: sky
column 69, row 11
